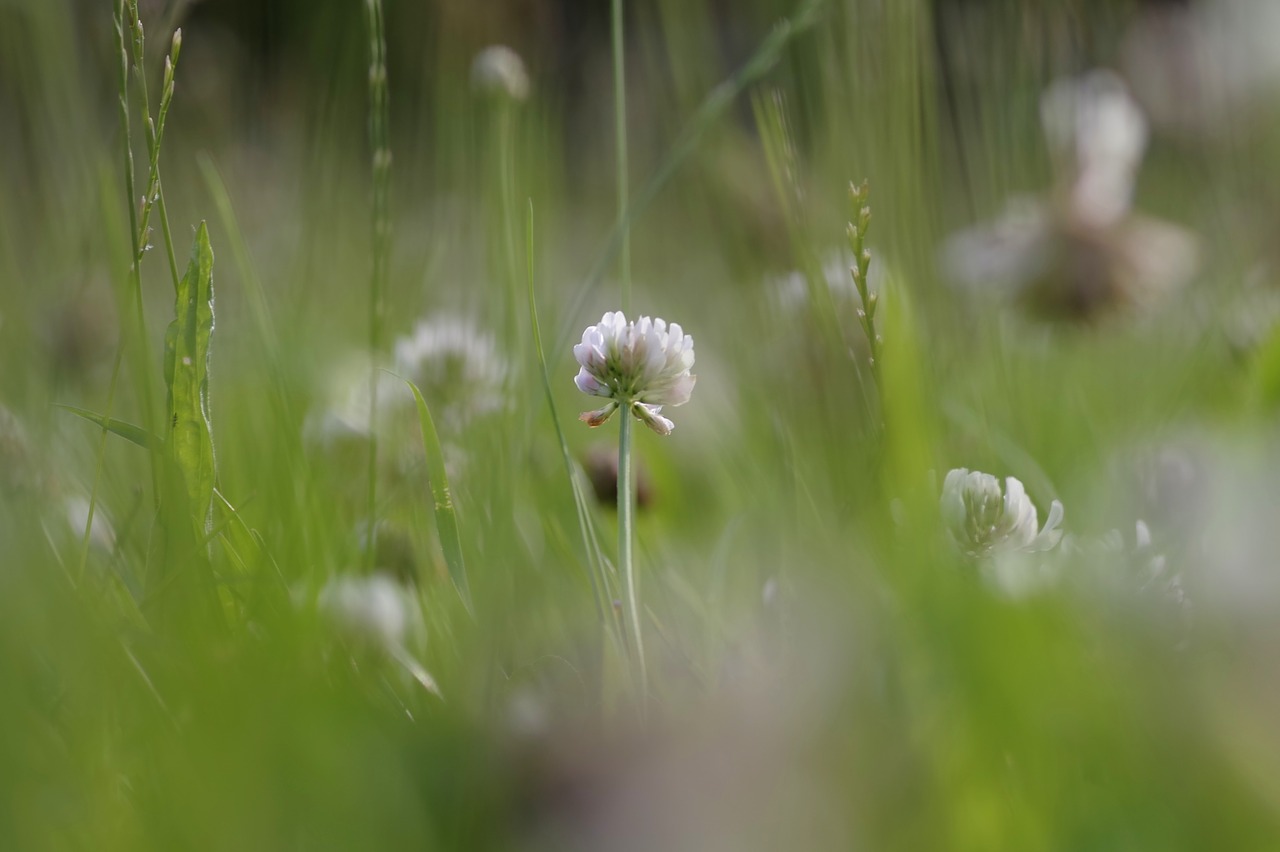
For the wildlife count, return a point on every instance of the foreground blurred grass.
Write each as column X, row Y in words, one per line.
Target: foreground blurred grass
column 827, row 672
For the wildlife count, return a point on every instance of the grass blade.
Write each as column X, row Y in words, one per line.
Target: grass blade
column 599, row 575
column 131, row 433
column 446, row 517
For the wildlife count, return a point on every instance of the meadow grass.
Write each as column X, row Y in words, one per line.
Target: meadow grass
column 302, row 546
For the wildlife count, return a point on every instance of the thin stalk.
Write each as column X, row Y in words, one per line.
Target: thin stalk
column 620, row 136
column 381, row 225
column 123, row 10
column 597, row 575
column 626, row 534
column 716, row 103
column 506, row 118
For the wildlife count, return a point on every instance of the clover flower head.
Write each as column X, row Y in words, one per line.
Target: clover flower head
column 373, row 610
column 1098, row 134
column 642, row 366
column 499, row 70
column 1083, row 252
column 984, row 519
column 456, row 365
column 790, row 290
column 102, row 535
column 377, row 617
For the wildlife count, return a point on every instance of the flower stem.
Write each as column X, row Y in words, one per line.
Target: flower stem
column 620, row 149
column 626, row 524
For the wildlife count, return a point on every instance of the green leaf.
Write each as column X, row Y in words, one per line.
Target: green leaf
column 132, row 434
column 186, row 374
column 446, row 518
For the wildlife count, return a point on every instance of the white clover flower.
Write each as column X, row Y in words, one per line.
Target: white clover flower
column 1082, row 250
column 984, row 519
column 1098, row 135
column 76, row 510
column 380, row 615
column 457, row 366
column 642, row 366
column 371, row 610
column 791, row 289
column 500, row 70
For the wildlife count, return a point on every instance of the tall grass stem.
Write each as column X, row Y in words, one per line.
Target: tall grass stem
column 381, row 228
column 716, row 103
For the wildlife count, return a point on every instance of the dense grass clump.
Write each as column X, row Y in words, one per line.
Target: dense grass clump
column 962, row 538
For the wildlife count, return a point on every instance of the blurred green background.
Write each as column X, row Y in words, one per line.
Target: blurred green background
column 828, row 672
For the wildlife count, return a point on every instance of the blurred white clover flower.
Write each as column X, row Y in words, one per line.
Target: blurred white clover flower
column 642, row 366
column 378, row 615
column 102, row 535
column 458, row 368
column 790, row 290
column 499, row 70
column 1097, row 136
column 1082, row 250
column 373, row 610
column 984, row 519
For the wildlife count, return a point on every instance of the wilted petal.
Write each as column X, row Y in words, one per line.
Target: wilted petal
column 649, row 416
column 598, row 417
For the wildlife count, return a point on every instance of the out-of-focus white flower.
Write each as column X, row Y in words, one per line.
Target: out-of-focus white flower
column 377, row 614
column 642, row 366
column 790, row 290
column 1082, row 251
column 458, row 368
column 1097, row 136
column 369, row 610
column 500, row 70
column 102, row 535
column 984, row 519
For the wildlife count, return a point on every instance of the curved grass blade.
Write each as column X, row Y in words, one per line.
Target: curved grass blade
column 186, row 375
column 446, row 517
column 597, row 572
column 131, row 433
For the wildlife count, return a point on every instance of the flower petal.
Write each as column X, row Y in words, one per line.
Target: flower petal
column 649, row 416
column 600, row 416
column 589, row 384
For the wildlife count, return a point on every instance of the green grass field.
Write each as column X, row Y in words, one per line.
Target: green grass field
column 302, row 346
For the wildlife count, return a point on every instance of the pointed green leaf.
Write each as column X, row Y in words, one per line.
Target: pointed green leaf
column 186, row 373
column 131, row 433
